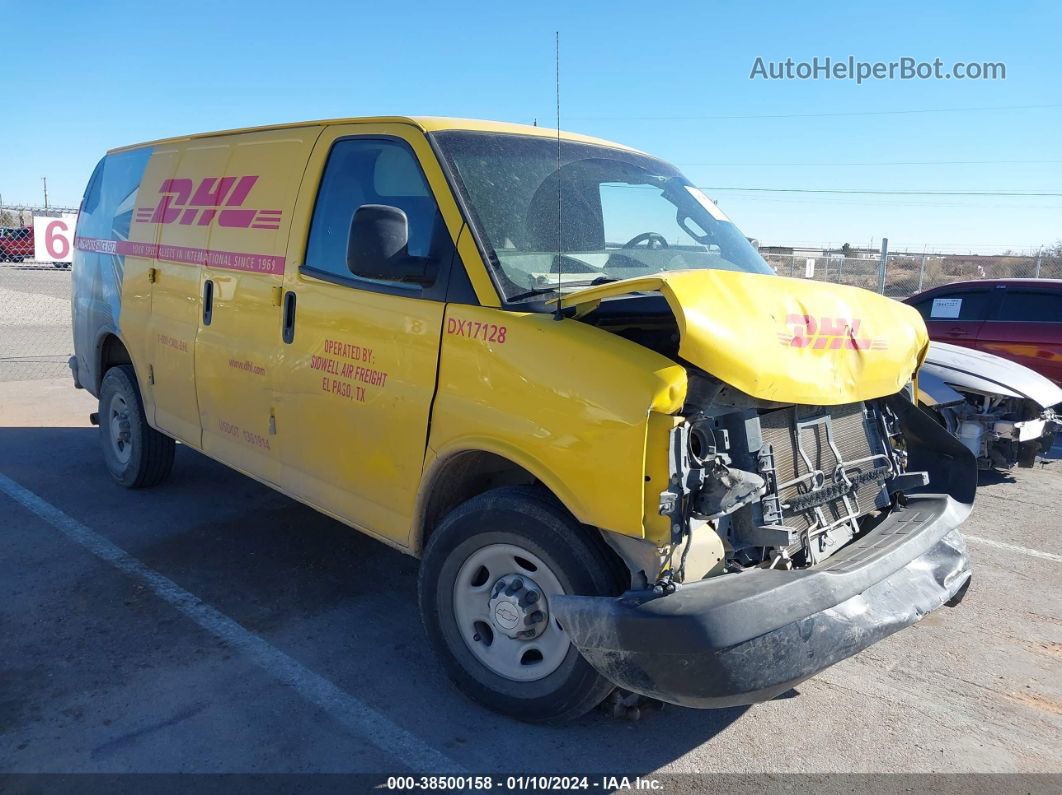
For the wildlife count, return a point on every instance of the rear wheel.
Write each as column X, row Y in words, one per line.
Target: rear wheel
column 487, row 580
column 137, row 456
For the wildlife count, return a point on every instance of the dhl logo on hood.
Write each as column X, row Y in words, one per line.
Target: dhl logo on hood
column 184, row 202
column 786, row 340
column 828, row 333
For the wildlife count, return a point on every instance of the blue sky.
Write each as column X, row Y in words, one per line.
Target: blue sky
column 657, row 76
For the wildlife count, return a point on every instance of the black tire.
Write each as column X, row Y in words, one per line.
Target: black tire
column 531, row 519
column 144, row 457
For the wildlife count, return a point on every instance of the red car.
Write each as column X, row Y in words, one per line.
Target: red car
column 16, row 244
column 1018, row 319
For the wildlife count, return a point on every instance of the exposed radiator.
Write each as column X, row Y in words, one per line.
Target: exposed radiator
column 857, row 445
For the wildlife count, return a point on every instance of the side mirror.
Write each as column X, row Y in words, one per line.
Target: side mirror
column 377, row 247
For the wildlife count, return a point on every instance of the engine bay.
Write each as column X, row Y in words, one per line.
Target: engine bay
column 785, row 486
column 782, row 485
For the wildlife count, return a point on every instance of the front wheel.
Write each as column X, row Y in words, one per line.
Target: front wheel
column 487, row 580
column 137, row 456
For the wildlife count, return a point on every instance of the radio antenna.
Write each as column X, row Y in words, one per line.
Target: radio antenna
column 557, row 262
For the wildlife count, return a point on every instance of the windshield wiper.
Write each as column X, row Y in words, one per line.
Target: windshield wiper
column 531, row 293
column 544, row 290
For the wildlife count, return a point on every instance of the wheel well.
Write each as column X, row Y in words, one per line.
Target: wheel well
column 112, row 353
column 459, row 478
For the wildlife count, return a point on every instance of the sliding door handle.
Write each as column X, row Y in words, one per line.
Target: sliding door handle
column 208, row 301
column 288, row 331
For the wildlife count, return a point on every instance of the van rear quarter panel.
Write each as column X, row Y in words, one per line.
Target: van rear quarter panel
column 566, row 401
column 109, row 259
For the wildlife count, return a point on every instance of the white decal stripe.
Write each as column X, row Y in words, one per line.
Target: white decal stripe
column 345, row 709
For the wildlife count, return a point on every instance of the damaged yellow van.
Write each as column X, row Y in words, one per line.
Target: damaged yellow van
column 627, row 452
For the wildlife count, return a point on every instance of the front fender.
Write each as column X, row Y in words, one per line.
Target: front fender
column 568, row 402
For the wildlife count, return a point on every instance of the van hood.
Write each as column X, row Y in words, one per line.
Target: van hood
column 782, row 339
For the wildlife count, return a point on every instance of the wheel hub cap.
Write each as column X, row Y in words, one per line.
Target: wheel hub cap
column 516, row 607
column 121, row 429
column 501, row 595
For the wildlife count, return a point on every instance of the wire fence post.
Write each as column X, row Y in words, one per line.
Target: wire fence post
column 1039, row 259
column 922, row 270
column 882, row 265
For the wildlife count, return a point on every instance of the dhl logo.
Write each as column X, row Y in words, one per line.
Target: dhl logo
column 186, row 203
column 828, row 333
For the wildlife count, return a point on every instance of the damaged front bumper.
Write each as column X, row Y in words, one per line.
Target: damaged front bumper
column 747, row 637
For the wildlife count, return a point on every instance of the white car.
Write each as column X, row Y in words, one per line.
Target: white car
column 1005, row 413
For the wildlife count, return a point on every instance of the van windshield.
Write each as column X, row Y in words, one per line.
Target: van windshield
column 603, row 215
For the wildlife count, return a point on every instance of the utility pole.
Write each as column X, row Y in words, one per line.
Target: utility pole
column 882, row 265
column 45, row 181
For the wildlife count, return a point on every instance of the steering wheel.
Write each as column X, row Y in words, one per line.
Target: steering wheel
column 651, row 240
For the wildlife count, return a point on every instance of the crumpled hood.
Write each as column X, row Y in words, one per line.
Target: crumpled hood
column 781, row 339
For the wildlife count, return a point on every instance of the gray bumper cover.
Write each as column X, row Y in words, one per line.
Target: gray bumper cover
column 742, row 638
column 739, row 639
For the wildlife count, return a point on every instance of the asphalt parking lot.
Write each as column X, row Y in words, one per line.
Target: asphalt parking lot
column 213, row 625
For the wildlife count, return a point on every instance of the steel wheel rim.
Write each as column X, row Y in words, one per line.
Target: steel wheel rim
column 119, row 427
column 519, row 659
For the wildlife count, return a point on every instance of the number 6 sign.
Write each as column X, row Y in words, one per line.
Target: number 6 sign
column 53, row 238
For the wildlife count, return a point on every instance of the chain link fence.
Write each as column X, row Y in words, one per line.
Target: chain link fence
column 35, row 335
column 36, row 341
column 902, row 274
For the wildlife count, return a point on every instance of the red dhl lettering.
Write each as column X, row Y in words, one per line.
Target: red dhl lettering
column 221, row 198
column 827, row 333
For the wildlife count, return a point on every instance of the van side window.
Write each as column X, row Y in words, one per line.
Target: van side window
column 107, row 208
column 92, row 193
column 370, row 171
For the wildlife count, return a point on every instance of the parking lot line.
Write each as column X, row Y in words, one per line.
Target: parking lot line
column 1033, row 553
column 345, row 709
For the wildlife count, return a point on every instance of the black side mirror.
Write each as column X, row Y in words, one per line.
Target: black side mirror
column 377, row 247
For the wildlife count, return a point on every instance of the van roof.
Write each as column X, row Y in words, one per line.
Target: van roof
column 424, row 123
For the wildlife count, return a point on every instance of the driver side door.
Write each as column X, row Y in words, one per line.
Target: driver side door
column 359, row 366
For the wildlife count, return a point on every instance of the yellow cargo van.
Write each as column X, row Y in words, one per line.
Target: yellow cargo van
column 628, row 453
